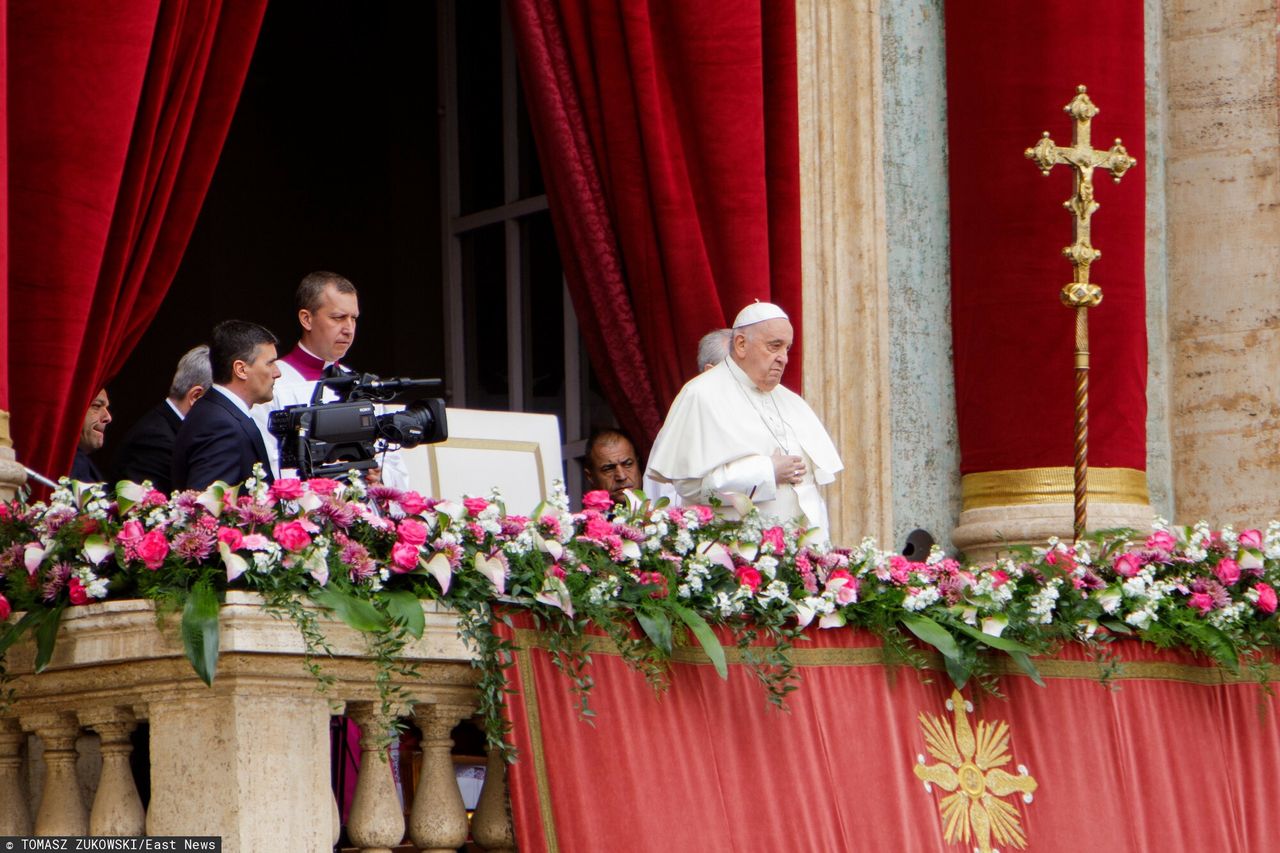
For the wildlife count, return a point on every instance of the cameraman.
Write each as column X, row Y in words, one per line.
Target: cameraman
column 328, row 308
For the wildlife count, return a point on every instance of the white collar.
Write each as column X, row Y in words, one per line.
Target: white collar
column 743, row 379
column 233, row 397
column 326, row 362
column 176, row 410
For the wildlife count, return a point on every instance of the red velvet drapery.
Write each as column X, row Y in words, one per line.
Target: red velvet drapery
column 668, row 137
column 1166, row 757
column 117, row 113
column 1011, row 66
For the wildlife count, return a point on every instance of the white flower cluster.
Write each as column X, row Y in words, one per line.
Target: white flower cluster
column 698, row 572
column 603, row 590
column 732, row 604
column 918, row 598
column 1043, row 602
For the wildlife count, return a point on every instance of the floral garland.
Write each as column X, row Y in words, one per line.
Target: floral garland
column 370, row 554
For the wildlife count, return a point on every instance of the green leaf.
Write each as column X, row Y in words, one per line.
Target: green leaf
column 1023, row 660
column 932, row 633
column 405, row 608
column 29, row 622
column 657, row 625
column 1115, row 626
column 199, row 629
column 706, row 638
column 46, row 634
column 1214, row 642
column 356, row 612
column 1004, row 645
column 958, row 670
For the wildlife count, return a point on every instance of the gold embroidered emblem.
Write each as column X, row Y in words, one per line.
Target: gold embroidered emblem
column 970, row 773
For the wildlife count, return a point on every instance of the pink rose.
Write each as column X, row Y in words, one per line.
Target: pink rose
column 597, row 528
column 1127, row 565
column 291, row 535
column 775, row 538
column 598, row 500
column 322, row 486
column 6, row 608
column 1251, row 539
column 1161, row 540
column 1227, row 571
column 412, row 532
column 1266, row 599
column 1201, row 601
column 999, row 578
column 412, row 503
column 286, row 489
column 404, row 557
column 475, row 506
column 232, row 536
column 152, row 549
column 749, row 577
column 704, row 513
column 130, row 532
column 76, row 592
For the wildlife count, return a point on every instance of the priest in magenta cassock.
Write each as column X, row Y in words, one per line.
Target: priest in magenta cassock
column 735, row 430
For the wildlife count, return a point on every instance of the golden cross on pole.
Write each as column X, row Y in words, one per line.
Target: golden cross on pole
column 1080, row 294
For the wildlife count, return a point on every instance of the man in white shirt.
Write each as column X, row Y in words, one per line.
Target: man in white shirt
column 735, row 430
column 328, row 308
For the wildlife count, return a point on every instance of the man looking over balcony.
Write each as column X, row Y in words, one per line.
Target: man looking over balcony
column 218, row 439
column 611, row 463
column 147, row 452
column 92, row 434
column 735, row 430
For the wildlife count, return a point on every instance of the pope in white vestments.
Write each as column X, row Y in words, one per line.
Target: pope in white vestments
column 734, row 429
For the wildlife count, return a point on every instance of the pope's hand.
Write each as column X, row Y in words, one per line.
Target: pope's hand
column 787, row 469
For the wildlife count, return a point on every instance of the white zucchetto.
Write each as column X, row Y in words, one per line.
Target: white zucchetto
column 758, row 312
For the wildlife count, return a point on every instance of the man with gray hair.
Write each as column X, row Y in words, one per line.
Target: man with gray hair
column 713, row 348
column 147, row 451
column 735, row 431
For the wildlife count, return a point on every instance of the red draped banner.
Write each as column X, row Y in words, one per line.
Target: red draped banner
column 1011, row 67
column 116, row 115
column 668, row 136
column 1166, row 756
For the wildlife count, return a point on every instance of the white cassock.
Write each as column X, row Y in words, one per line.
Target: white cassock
column 293, row 388
column 721, row 434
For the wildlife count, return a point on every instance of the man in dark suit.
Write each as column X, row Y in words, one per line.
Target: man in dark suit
column 147, row 452
column 218, row 439
column 92, row 435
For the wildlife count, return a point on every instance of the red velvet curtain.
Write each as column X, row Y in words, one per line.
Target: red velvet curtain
column 117, row 113
column 1166, row 757
column 668, row 136
column 1011, row 67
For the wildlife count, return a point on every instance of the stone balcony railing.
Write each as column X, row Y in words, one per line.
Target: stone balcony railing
column 247, row 759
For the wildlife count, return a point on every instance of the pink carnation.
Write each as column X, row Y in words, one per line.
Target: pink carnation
column 1251, row 539
column 6, row 609
column 597, row 528
column 1266, row 598
column 152, row 549
column 597, row 500
column 154, row 497
column 231, row 536
column 705, row 513
column 404, row 557
column 1227, row 571
column 76, row 592
column 412, row 532
column 749, row 577
column 291, row 535
column 475, row 506
column 775, row 538
column 999, row 578
column 322, row 486
column 286, row 489
column 1127, row 565
column 844, row 585
column 412, row 503
column 899, row 569
column 1161, row 540
column 1201, row 601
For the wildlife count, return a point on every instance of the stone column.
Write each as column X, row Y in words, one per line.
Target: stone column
column 15, row 814
column 117, row 808
column 491, row 823
column 61, row 810
column 845, row 250
column 245, row 761
column 12, row 474
column 376, row 821
column 438, row 822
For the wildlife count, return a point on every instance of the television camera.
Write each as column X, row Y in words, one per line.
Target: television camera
column 324, row 439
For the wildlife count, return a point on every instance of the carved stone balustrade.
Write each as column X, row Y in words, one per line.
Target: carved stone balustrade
column 247, row 759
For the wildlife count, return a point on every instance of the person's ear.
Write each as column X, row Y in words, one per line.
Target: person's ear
column 304, row 319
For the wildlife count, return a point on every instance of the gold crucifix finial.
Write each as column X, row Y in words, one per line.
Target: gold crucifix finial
column 1083, row 158
column 1080, row 294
